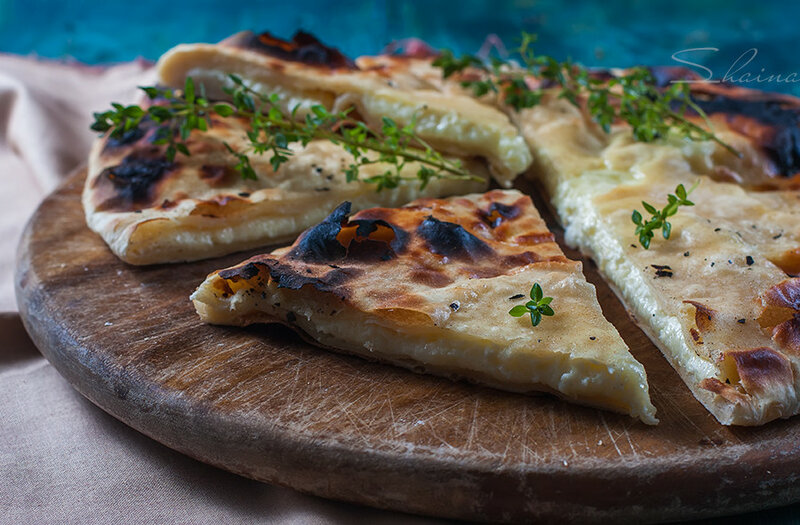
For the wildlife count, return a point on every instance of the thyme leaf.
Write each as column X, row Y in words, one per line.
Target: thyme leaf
column 658, row 221
column 536, row 307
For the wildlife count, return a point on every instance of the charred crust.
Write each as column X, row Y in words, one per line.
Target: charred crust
column 703, row 316
column 662, row 270
column 779, row 133
column 132, row 182
column 452, row 240
column 787, row 335
column 760, row 369
column 303, row 47
column 498, row 212
column 246, row 272
column 331, row 281
column 785, row 294
column 336, row 238
column 319, row 243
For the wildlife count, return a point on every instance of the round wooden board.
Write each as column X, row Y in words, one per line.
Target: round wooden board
column 262, row 403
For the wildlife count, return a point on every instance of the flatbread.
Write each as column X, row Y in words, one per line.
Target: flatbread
column 429, row 287
column 150, row 210
column 703, row 296
column 304, row 72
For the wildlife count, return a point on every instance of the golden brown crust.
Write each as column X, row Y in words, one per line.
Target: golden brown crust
column 429, row 244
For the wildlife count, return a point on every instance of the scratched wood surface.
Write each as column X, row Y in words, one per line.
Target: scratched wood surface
column 262, row 403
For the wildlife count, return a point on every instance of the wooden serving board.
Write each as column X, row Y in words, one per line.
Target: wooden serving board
column 262, row 403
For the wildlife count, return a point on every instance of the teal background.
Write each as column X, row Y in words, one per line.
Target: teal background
column 608, row 33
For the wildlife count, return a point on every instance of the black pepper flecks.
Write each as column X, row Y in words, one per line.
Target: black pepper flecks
column 749, row 260
column 454, row 306
column 686, row 254
column 515, row 297
column 662, row 270
column 741, row 321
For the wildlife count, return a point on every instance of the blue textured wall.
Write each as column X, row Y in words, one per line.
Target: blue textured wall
column 596, row 33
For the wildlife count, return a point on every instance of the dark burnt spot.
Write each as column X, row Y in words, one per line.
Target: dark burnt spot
column 319, row 243
column 375, row 240
column 291, row 317
column 452, row 240
column 248, row 271
column 771, row 121
column 336, row 238
column 333, row 280
column 696, row 336
column 662, row 270
column 303, row 47
column 780, row 135
column 499, row 212
column 133, row 180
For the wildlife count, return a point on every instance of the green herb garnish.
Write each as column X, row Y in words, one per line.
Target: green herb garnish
column 178, row 112
column 537, row 306
column 634, row 97
column 659, row 218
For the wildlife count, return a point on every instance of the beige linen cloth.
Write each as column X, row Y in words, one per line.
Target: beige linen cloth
column 63, row 460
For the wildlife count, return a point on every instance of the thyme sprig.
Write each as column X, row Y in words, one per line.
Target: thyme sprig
column 271, row 132
column 645, row 230
column 635, row 98
column 538, row 306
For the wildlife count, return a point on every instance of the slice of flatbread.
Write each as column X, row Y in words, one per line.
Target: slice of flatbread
column 708, row 296
column 150, row 210
column 429, row 287
column 304, row 72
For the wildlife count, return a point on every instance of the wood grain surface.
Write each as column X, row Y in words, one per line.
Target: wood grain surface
column 262, row 403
